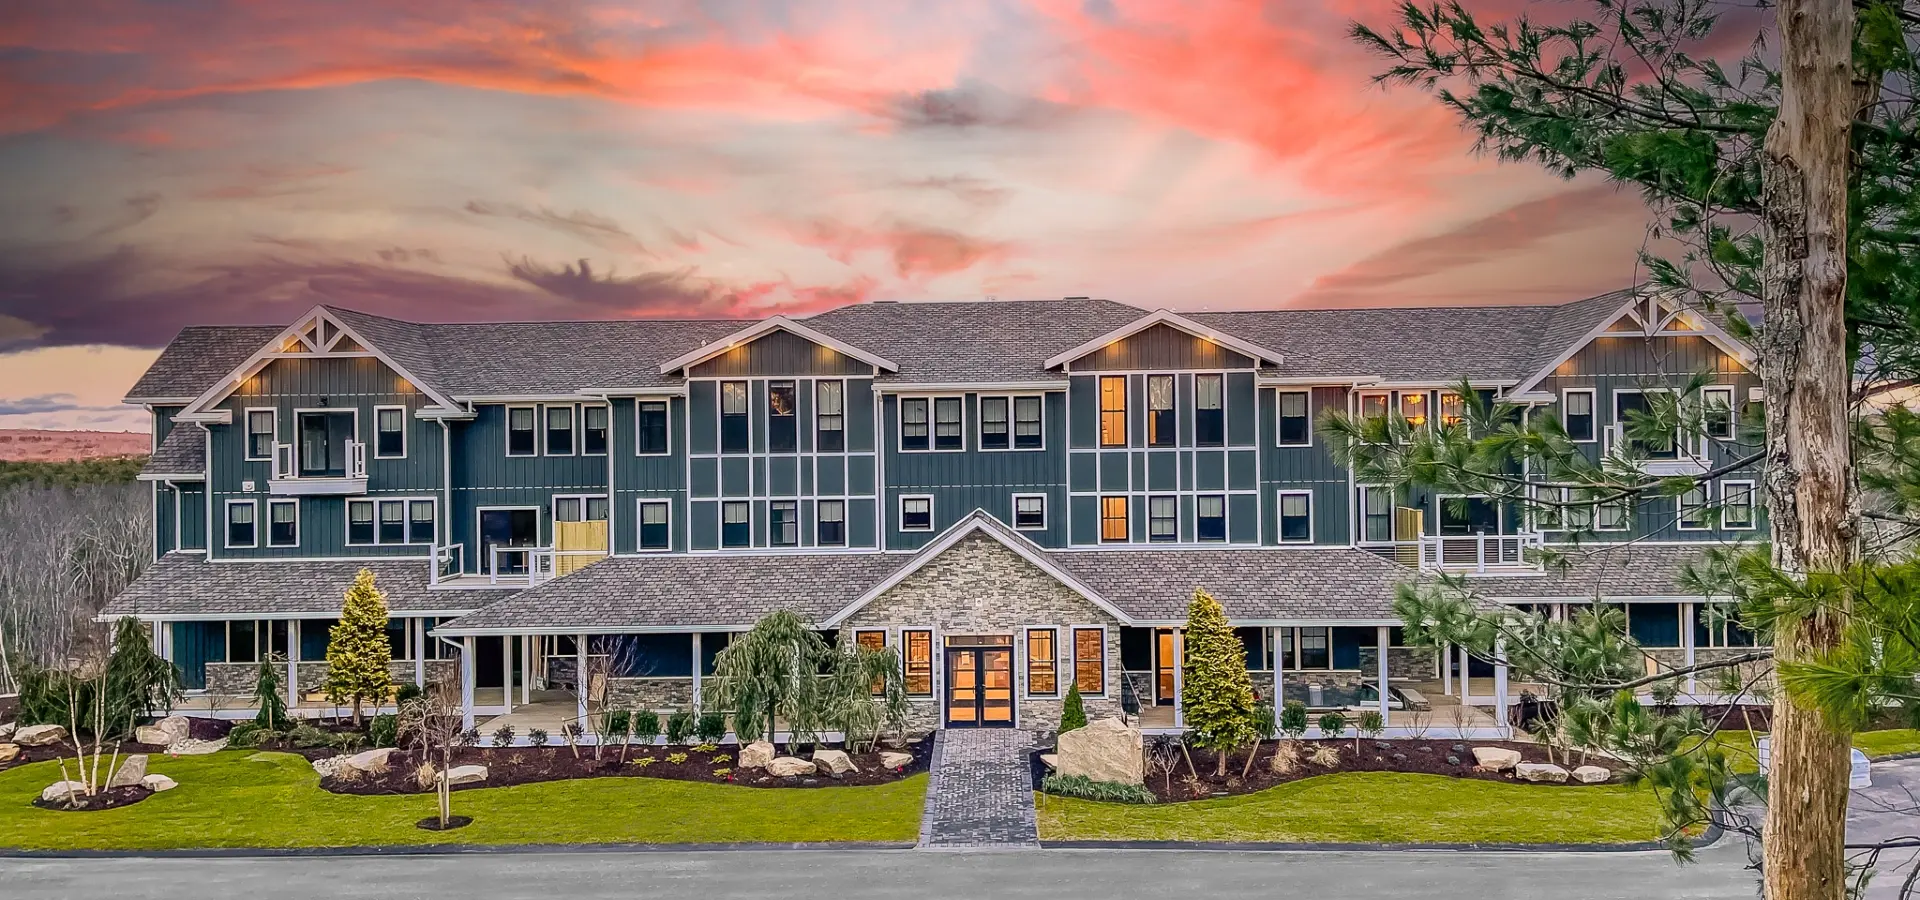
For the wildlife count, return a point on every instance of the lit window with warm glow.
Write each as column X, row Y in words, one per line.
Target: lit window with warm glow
column 1413, row 408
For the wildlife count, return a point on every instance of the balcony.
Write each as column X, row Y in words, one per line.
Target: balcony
column 535, row 565
column 342, row 471
column 1472, row 554
column 1679, row 459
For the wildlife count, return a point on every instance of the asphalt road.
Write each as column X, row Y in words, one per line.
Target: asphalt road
column 1888, row 811
column 1007, row 875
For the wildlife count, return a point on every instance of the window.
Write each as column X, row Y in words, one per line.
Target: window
column 283, row 523
column 1030, row 511
column 1283, row 647
column 1461, row 516
column 1296, row 517
column 580, row 509
column 262, row 427
column 559, row 431
column 995, row 430
column 1413, row 408
column 1296, row 419
column 873, row 640
column 1716, row 412
column 830, row 416
column 1632, row 405
column 1736, row 504
column 324, row 437
column 389, row 432
column 360, row 522
column 916, row 513
column 520, row 441
column 1577, row 411
column 1210, row 518
column 651, row 438
column 1377, row 511
column 1163, row 520
column 1313, row 649
column 243, row 641
column 1028, row 433
column 1113, row 410
column 913, row 424
column 654, row 532
column 1090, row 660
column 736, row 524
column 1113, row 520
column 1453, row 409
column 948, row 434
column 831, row 529
column 1693, row 508
column 593, row 430
column 1162, row 428
column 1612, row 516
column 393, row 522
column 918, row 662
column 782, row 420
column 1209, row 414
column 783, row 523
column 1043, row 678
column 1373, row 406
column 421, row 521
column 240, row 524
column 735, row 435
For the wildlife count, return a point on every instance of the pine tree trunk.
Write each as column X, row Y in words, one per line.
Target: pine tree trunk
column 1805, row 371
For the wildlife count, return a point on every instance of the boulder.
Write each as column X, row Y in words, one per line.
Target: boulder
column 157, row 783
column 832, row 763
column 1495, row 759
column 1106, row 750
column 152, row 736
column 132, row 771
column 756, row 755
column 784, row 766
column 6, row 730
column 1591, row 775
column 369, row 760
column 164, row 733
column 329, row 766
column 466, row 775
column 892, row 760
column 1542, row 772
column 1050, row 760
column 9, row 752
column 191, row 747
column 40, row 735
column 59, row 791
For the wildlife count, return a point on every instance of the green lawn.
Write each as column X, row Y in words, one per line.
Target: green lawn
column 1372, row 807
column 229, row 800
column 1743, row 757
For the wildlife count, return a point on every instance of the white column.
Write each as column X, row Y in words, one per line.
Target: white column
column 1500, row 686
column 1273, row 659
column 1446, row 669
column 1687, row 614
column 466, row 682
column 696, row 672
column 293, row 660
column 1466, row 682
column 1179, row 678
column 506, row 674
column 526, row 668
column 580, row 673
column 419, row 652
column 1384, row 640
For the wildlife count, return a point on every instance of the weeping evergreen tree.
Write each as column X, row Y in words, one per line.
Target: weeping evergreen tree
column 268, row 698
column 772, row 670
column 358, row 654
column 1216, row 694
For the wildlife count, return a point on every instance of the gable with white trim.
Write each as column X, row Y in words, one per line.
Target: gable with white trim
column 318, row 335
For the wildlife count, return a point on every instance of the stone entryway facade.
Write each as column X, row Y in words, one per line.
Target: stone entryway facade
column 981, row 793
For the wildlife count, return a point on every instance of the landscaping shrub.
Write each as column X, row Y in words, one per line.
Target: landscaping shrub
column 1073, row 713
column 467, row 738
column 1325, row 756
column 614, row 723
column 711, row 727
column 408, row 691
column 268, row 698
column 1217, row 699
column 1084, row 788
column 1332, row 725
column 646, row 726
column 537, row 737
column 384, row 731
column 135, row 684
column 679, row 726
column 358, row 652
column 503, row 736
column 1371, row 724
column 250, row 734
column 1263, row 721
column 1293, row 719
column 1286, row 758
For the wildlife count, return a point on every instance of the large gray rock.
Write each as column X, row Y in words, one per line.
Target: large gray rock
column 1105, row 750
column 191, row 747
column 833, row 763
column 8, row 752
column 466, row 775
column 329, row 766
column 789, row 765
column 892, row 760
column 59, row 791
column 756, row 755
column 131, row 771
column 1541, row 772
column 370, row 760
column 6, row 730
column 1591, row 775
column 40, row 735
column 174, row 728
column 157, row 783
column 152, row 736
column 1495, row 759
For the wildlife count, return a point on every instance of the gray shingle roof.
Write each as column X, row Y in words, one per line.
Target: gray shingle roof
column 1253, row 585
column 1613, row 571
column 984, row 341
column 197, row 357
column 185, row 584
column 184, row 451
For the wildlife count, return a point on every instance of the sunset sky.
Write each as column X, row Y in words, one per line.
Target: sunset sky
column 216, row 161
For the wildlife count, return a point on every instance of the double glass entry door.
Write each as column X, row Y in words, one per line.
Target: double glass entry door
column 980, row 681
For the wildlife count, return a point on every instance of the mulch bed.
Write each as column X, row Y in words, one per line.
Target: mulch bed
column 200, row 730
column 1425, row 757
column 531, row 765
column 110, row 798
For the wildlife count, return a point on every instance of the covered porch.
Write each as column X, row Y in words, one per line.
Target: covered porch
column 549, row 680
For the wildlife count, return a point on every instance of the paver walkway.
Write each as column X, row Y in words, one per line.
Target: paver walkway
column 981, row 793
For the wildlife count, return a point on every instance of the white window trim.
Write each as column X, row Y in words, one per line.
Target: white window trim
column 844, row 415
column 1226, row 518
column 1279, row 516
column 433, row 503
column 298, row 412
column 1360, row 510
column 640, row 522
column 247, row 451
column 935, row 662
column 1706, row 504
column 1732, row 414
column 1100, row 518
column 901, row 508
column 1126, row 412
column 1277, row 418
column 1753, row 505
column 293, row 502
column 546, row 429
column 1013, row 422
column 376, row 433
column 721, row 513
column 553, row 506
column 1225, row 441
column 1175, row 497
column 844, row 537
column 539, row 431
column 1073, row 653
column 1626, row 516
column 1146, row 395
column 580, row 431
column 1026, row 669
column 636, row 426
column 1016, row 512
column 1499, row 514
column 933, row 422
column 797, row 535
column 1593, row 414
column 406, row 520
column 1386, row 402
column 226, row 525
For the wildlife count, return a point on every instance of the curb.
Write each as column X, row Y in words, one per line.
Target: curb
column 1708, row 838
column 443, row 850
column 926, row 806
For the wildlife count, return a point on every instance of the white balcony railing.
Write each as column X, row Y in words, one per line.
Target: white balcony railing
column 536, row 565
column 1684, row 460
column 289, row 480
column 1464, row 553
column 449, row 562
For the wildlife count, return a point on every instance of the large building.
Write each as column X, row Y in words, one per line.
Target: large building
column 1014, row 495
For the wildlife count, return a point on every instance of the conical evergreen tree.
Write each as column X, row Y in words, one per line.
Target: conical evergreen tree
column 357, row 651
column 1216, row 695
column 1073, row 713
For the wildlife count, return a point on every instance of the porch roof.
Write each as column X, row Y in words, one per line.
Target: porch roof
column 1611, row 572
column 1253, row 585
column 187, row 586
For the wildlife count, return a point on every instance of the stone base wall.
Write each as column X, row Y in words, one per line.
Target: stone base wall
column 650, row 693
column 238, row 679
column 1705, row 681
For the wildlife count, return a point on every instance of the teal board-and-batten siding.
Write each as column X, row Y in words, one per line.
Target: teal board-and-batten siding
column 1309, row 468
column 961, row 481
column 650, row 477
column 484, row 476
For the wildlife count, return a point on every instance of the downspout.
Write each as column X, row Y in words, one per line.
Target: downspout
column 446, row 497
